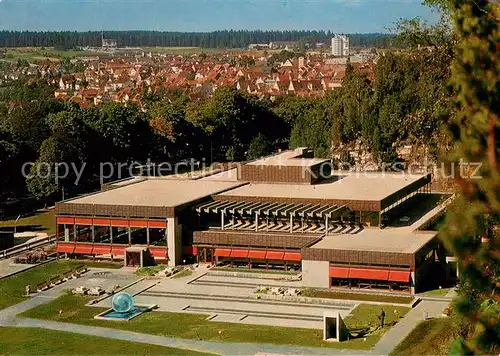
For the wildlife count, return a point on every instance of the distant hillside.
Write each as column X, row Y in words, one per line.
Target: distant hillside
column 216, row 39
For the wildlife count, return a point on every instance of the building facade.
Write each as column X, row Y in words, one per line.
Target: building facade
column 284, row 211
column 340, row 46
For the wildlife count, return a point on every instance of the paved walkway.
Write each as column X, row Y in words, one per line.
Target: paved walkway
column 8, row 317
column 397, row 333
column 8, row 267
column 222, row 348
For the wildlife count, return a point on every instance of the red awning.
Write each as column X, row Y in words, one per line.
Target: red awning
column 138, row 223
column 65, row 220
column 65, row 247
column 239, row 253
column 369, row 273
column 101, row 249
column 158, row 252
column 399, row 276
column 118, row 250
column 83, row 221
column 257, row 254
column 292, row 256
column 157, row 224
column 82, row 248
column 101, row 222
column 118, row 223
column 339, row 272
column 275, row 255
column 222, row 252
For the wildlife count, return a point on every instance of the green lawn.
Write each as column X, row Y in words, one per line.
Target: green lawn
column 101, row 264
column 183, row 273
column 28, row 341
column 316, row 293
column 431, row 337
column 12, row 288
column 39, row 221
column 149, row 271
column 37, row 53
column 436, row 292
column 193, row 326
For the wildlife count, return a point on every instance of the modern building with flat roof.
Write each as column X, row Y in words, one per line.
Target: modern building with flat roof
column 288, row 210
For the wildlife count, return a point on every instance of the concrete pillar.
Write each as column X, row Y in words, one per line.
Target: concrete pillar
column 316, row 274
column 129, row 235
column 327, row 227
column 66, row 233
column 256, row 222
column 222, row 220
column 93, row 233
column 147, row 235
column 413, row 282
column 111, row 234
column 74, row 232
column 174, row 242
column 291, row 223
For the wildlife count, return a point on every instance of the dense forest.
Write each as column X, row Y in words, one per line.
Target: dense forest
column 406, row 104
column 215, row 39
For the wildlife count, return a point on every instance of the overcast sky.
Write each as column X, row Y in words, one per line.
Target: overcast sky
column 206, row 15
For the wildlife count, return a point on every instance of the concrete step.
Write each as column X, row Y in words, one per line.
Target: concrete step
column 150, row 293
column 255, row 313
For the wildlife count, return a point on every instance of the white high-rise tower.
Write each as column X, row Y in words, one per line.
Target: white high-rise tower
column 340, row 46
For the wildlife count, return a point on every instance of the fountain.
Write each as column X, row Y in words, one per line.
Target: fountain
column 123, row 308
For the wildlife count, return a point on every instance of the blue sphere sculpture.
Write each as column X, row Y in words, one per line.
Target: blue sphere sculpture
column 122, row 302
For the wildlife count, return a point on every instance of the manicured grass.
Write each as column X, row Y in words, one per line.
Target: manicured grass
column 253, row 270
column 193, row 326
column 32, row 341
column 12, row 289
column 431, row 337
column 436, row 292
column 39, row 221
column 101, row 264
column 149, row 271
column 316, row 293
column 183, row 273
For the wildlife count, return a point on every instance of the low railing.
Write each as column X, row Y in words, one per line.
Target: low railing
column 27, row 246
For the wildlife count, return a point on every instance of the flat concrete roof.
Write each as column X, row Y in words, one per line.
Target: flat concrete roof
column 385, row 240
column 231, row 175
column 366, row 186
column 157, row 192
column 290, row 158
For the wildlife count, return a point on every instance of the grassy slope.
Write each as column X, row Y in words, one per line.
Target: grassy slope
column 12, row 288
column 24, row 341
column 182, row 274
column 192, row 326
column 431, row 337
column 43, row 222
column 436, row 292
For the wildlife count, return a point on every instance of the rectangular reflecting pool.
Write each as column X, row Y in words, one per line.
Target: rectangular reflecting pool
column 110, row 314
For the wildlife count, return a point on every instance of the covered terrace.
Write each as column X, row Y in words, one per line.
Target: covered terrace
column 272, row 217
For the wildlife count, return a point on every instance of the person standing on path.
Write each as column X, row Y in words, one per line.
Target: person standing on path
column 381, row 318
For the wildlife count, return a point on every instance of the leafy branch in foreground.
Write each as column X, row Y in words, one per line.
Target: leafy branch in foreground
column 471, row 229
